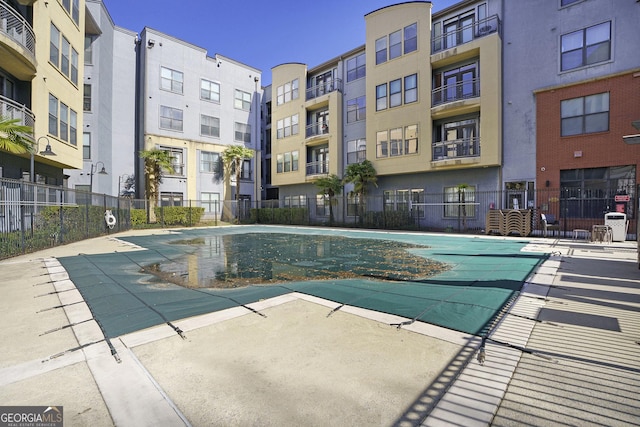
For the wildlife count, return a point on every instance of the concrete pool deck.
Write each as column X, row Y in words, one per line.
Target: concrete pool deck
column 302, row 365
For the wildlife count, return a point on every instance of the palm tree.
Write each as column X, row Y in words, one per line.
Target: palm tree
column 462, row 208
column 14, row 137
column 331, row 186
column 360, row 175
column 232, row 159
column 156, row 162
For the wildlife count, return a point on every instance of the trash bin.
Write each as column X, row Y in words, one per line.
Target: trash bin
column 618, row 223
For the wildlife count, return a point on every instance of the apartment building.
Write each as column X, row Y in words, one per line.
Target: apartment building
column 108, row 146
column 572, row 76
column 195, row 106
column 40, row 84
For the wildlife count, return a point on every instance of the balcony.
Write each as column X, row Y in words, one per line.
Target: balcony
column 323, row 89
column 317, row 168
column 15, row 30
column 465, row 34
column 456, row 149
column 316, row 129
column 456, row 92
column 9, row 109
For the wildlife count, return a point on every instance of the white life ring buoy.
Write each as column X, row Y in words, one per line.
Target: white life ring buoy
column 109, row 219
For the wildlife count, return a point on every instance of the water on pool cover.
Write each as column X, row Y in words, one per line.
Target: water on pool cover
column 236, row 260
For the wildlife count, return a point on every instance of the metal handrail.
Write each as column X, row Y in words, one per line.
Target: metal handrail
column 324, row 88
column 17, row 28
column 317, row 128
column 10, row 109
column 467, row 147
column 478, row 29
column 455, row 92
column 317, row 168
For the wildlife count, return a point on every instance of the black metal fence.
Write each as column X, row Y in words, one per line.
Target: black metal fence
column 36, row 216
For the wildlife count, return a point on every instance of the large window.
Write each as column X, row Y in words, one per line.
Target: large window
column 586, row 47
column 395, row 44
column 177, row 159
column 459, row 82
column 397, row 141
column 62, row 55
column 391, row 47
column 209, row 126
column 209, row 91
column 210, row 202
column 242, row 100
column 322, row 205
column 88, row 49
column 287, row 162
column 395, row 93
column 410, row 201
column 590, row 193
column 287, row 126
column 356, row 67
column 356, row 109
column 168, row 198
column 459, row 202
column 54, row 46
column 53, row 115
column 410, row 38
column 381, row 50
column 170, row 118
column 356, row 151
column 209, row 161
column 242, row 132
column 381, row 97
column 73, row 9
column 586, row 114
column 288, row 92
column 411, row 88
column 171, row 80
column 63, row 121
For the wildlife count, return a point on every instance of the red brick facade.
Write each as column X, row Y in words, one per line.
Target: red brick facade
column 603, row 149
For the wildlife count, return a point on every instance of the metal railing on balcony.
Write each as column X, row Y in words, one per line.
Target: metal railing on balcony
column 17, row 28
column 315, row 129
column 9, row 109
column 446, row 150
column 324, row 88
column 318, row 168
column 456, row 92
column 465, row 34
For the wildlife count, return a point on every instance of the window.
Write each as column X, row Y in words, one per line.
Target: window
column 381, row 97
column 322, row 205
column 170, row 118
column 177, row 161
column 586, row 47
column 171, row 80
column 74, row 66
column 456, row 139
column 242, row 132
column 210, row 202
column 73, row 127
column 353, row 202
column 53, row 115
column 86, row 146
column 395, row 142
column 587, row 114
column 288, row 92
column 75, row 13
column 381, row 50
column 410, row 38
column 287, row 162
column 456, row 83
column 356, row 67
column 245, row 173
column 209, row 91
column 411, row 139
column 209, row 126
column 209, row 161
column 356, row 109
column 411, row 89
column 356, row 151
column 54, row 46
column 168, row 198
column 64, row 59
column 459, row 202
column 242, row 100
column 287, row 126
column 294, row 160
column 395, row 93
column 395, row 44
column 382, row 144
column 88, row 49
column 279, row 163
column 86, row 105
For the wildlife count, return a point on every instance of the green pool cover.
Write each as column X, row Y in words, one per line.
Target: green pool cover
column 460, row 283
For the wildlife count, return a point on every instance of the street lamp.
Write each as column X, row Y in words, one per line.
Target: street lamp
column 102, row 172
column 46, row 152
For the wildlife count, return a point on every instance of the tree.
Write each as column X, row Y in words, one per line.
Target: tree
column 14, row 137
column 462, row 207
column 331, row 186
column 360, row 175
column 232, row 158
column 155, row 163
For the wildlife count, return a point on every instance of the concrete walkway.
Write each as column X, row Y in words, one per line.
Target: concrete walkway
column 300, row 364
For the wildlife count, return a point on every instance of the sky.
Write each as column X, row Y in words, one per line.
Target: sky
column 258, row 33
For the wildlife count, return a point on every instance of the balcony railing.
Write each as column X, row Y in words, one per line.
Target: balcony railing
column 316, row 129
column 465, row 34
column 445, row 150
column 17, row 28
column 318, row 168
column 456, row 92
column 9, row 109
column 324, row 88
